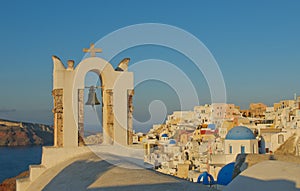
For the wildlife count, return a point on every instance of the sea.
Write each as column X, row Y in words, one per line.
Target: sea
column 14, row 160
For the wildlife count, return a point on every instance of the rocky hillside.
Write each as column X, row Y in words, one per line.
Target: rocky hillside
column 21, row 134
column 93, row 139
column 10, row 183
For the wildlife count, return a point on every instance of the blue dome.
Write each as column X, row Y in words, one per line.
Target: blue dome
column 225, row 174
column 240, row 133
column 164, row 135
column 211, row 126
column 172, row 142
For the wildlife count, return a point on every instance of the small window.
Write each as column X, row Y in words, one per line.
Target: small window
column 230, row 149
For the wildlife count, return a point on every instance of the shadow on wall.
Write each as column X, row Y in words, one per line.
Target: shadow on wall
column 96, row 174
column 146, row 187
column 249, row 184
column 86, row 171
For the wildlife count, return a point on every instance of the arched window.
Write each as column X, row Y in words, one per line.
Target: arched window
column 280, row 139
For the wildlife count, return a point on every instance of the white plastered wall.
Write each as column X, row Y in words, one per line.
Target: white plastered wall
column 251, row 146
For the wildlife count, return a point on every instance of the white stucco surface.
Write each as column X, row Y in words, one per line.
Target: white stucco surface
column 89, row 172
column 269, row 175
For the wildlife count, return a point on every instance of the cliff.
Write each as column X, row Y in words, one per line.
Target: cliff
column 21, row 134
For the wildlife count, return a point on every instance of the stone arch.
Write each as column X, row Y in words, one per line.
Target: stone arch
column 106, row 74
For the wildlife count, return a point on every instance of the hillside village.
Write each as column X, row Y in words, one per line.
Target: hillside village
column 208, row 144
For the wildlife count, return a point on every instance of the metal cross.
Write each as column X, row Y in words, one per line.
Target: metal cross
column 92, row 50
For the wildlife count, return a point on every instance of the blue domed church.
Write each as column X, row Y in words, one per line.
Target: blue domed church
column 240, row 139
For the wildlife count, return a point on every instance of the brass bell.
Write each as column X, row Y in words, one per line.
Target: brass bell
column 92, row 100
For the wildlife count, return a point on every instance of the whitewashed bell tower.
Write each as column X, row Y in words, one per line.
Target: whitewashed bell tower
column 68, row 96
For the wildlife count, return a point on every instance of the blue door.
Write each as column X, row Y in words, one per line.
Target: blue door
column 242, row 149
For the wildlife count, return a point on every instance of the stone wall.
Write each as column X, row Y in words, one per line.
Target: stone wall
column 108, row 128
column 58, row 117
column 130, row 94
column 81, row 117
column 290, row 146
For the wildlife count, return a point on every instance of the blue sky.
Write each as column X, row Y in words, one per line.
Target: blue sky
column 255, row 43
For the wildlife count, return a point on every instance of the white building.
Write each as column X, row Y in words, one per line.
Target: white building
column 202, row 114
column 181, row 117
column 240, row 139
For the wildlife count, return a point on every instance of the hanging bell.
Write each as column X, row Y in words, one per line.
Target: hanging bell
column 92, row 99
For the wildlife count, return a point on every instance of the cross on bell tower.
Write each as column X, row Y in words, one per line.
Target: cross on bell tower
column 92, row 50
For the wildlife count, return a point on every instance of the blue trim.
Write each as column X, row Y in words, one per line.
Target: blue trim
column 242, row 149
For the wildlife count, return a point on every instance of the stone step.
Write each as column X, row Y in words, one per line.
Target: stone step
column 22, row 183
column 51, row 156
column 35, row 171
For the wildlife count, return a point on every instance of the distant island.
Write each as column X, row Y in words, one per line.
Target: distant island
column 14, row 133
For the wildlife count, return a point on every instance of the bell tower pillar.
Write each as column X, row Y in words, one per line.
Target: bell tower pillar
column 80, row 117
